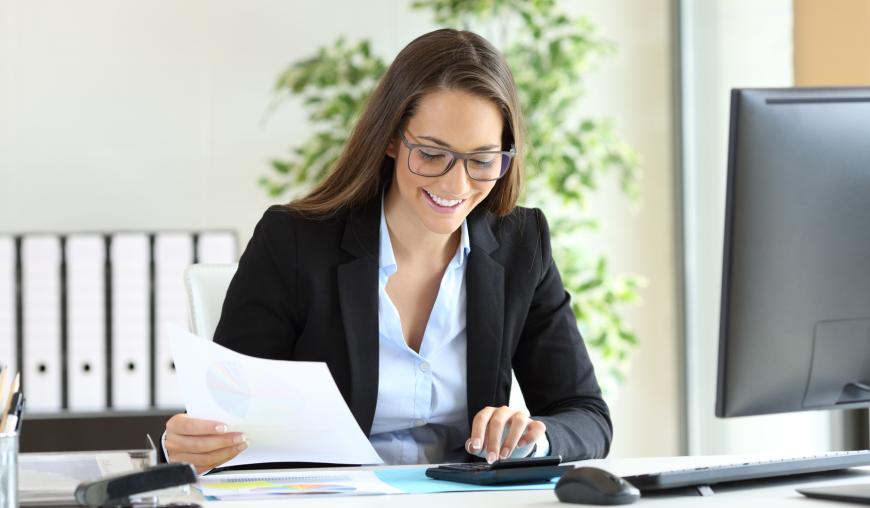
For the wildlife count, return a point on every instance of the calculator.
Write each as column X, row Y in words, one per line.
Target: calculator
column 525, row 470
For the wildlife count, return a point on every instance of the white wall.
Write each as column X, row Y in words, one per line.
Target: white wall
column 633, row 87
column 727, row 44
column 152, row 114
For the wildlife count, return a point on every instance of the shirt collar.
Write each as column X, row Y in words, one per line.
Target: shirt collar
column 387, row 259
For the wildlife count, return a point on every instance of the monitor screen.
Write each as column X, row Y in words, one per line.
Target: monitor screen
column 795, row 310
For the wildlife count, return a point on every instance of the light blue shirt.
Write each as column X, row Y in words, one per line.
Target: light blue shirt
column 422, row 411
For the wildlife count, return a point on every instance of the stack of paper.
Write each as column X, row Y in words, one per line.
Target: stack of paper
column 45, row 478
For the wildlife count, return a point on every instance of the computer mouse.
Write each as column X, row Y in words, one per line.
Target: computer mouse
column 590, row 485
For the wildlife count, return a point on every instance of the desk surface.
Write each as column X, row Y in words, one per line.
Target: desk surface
column 768, row 493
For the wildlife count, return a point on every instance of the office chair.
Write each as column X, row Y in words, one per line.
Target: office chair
column 206, row 285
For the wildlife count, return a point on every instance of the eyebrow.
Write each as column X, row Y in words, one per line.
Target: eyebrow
column 447, row 145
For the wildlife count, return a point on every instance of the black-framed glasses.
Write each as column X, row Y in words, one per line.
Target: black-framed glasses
column 432, row 161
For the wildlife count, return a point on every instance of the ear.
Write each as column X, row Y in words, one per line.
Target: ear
column 392, row 152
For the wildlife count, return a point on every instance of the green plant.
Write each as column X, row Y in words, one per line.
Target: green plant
column 549, row 53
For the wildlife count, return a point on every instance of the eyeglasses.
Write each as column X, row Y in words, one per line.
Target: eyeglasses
column 425, row 160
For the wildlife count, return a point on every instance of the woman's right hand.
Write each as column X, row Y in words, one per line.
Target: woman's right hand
column 204, row 443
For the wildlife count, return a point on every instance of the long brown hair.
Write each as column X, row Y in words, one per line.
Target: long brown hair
column 445, row 59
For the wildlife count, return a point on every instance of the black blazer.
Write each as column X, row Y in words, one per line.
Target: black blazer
column 307, row 290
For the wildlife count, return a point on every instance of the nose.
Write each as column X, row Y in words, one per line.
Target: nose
column 456, row 181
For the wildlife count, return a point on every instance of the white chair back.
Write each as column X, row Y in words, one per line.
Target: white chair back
column 206, row 285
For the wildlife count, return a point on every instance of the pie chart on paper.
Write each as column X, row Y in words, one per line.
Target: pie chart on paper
column 229, row 388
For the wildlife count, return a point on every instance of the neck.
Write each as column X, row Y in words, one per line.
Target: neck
column 411, row 239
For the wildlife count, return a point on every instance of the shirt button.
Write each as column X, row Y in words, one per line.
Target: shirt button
column 419, row 422
column 424, row 367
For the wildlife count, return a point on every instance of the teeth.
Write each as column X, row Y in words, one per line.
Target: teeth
column 442, row 201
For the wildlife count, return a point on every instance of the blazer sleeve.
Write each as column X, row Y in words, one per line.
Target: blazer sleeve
column 554, row 370
column 257, row 315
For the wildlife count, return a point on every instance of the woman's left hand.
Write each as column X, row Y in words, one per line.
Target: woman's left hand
column 488, row 426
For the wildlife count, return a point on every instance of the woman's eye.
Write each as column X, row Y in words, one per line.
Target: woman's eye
column 482, row 164
column 431, row 156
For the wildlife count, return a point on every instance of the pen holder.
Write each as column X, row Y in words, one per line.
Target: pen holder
column 8, row 469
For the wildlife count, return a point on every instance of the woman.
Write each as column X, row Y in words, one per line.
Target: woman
column 413, row 275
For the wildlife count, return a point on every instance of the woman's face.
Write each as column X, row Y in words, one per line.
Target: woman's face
column 458, row 121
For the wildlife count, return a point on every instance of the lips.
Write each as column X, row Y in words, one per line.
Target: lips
column 446, row 203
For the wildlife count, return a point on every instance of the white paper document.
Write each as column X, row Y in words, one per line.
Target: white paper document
column 249, row 486
column 53, row 477
column 289, row 411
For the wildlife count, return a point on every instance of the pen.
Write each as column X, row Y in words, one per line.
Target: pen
column 20, row 417
column 14, row 418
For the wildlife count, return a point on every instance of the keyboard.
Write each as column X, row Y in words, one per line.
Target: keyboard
column 705, row 476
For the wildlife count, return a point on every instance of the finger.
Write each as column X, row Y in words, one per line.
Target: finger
column 494, row 431
column 205, row 461
column 518, row 423
column 184, row 424
column 478, row 429
column 202, row 444
column 535, row 430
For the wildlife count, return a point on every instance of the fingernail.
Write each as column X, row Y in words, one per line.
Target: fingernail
column 220, row 429
column 521, row 443
column 242, row 446
column 505, row 452
column 490, row 457
column 239, row 439
column 475, row 444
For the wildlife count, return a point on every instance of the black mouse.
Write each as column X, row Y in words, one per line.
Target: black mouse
column 590, row 485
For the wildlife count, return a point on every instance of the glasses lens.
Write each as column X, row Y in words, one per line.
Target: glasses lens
column 488, row 166
column 429, row 161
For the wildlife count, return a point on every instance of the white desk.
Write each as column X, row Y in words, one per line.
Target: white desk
column 771, row 493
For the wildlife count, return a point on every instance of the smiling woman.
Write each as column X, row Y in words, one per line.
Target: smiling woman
column 431, row 193
column 412, row 273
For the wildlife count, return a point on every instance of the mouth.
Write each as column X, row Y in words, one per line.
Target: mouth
column 442, row 203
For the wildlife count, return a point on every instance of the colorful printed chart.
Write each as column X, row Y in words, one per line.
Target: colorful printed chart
column 228, row 388
column 259, row 485
column 277, row 487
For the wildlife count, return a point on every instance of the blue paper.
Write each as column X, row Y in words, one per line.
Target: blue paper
column 414, row 481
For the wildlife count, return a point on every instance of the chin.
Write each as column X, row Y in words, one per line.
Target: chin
column 443, row 227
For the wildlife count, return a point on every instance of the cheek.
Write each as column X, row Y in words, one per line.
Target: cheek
column 484, row 191
column 410, row 185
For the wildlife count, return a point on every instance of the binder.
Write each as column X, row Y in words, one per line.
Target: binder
column 217, row 247
column 86, row 322
column 130, row 258
column 8, row 348
column 173, row 253
column 41, row 290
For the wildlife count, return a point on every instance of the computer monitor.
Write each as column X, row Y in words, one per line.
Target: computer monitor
column 795, row 311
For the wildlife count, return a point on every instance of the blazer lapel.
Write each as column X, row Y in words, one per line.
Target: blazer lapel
column 358, row 299
column 485, row 315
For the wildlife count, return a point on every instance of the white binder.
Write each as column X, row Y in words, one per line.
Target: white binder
column 86, row 322
column 131, row 342
column 41, row 372
column 173, row 253
column 217, row 247
column 8, row 354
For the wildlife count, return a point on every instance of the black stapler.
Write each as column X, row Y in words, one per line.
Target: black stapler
column 117, row 490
